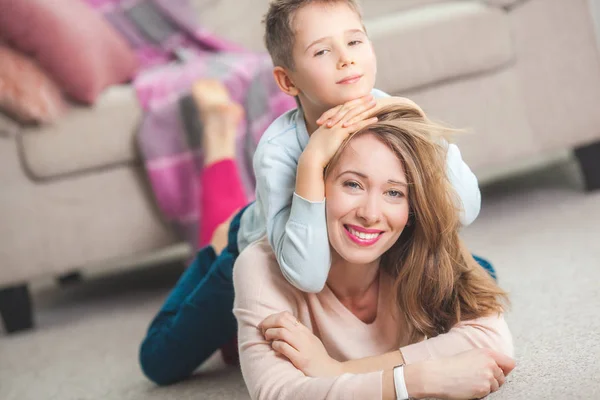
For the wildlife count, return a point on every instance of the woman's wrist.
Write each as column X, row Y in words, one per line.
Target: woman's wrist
column 415, row 378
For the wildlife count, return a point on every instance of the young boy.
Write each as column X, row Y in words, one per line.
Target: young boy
column 323, row 57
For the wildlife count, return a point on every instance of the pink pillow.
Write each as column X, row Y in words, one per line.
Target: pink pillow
column 25, row 91
column 78, row 48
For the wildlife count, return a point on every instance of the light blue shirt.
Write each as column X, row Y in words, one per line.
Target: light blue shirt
column 295, row 227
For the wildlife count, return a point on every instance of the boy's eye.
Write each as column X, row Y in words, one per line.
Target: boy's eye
column 320, row 53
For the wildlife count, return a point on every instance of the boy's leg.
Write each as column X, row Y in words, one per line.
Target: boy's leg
column 196, row 318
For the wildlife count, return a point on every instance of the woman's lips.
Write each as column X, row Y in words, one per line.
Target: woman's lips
column 362, row 236
column 350, row 80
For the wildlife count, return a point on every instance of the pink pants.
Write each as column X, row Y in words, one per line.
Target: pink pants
column 222, row 195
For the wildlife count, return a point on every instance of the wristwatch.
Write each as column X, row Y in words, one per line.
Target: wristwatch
column 399, row 383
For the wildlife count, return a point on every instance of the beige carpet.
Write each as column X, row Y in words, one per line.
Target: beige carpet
column 540, row 231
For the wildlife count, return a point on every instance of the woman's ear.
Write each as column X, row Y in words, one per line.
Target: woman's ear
column 284, row 81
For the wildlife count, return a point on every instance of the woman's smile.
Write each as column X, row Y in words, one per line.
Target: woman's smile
column 362, row 236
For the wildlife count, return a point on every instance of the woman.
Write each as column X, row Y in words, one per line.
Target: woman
column 399, row 275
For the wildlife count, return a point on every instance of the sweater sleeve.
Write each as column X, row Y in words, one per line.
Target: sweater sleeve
column 261, row 291
column 485, row 332
column 296, row 227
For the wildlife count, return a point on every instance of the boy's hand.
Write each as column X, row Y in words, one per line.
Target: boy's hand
column 384, row 102
column 357, row 110
column 325, row 141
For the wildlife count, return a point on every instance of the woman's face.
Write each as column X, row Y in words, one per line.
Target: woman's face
column 367, row 201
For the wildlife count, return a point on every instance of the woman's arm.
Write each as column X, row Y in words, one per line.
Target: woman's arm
column 472, row 374
column 261, row 290
column 485, row 332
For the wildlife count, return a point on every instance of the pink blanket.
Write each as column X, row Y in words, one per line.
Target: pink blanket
column 174, row 52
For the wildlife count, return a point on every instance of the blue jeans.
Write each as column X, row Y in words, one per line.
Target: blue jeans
column 197, row 318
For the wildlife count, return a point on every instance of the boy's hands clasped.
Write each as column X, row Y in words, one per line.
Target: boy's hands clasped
column 335, row 127
column 336, row 124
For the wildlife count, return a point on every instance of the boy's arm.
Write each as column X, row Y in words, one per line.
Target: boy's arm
column 294, row 205
column 465, row 184
column 296, row 227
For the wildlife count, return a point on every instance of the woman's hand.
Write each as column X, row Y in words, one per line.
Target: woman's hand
column 295, row 341
column 472, row 374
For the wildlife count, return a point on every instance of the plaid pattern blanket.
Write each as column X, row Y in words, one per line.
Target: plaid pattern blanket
column 173, row 52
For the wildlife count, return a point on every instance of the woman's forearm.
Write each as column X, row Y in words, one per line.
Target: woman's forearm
column 365, row 365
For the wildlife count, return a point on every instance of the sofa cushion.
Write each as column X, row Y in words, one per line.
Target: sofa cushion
column 85, row 138
column 246, row 16
column 439, row 42
column 81, row 52
column 378, row 8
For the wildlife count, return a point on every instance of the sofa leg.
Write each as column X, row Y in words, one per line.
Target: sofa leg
column 16, row 308
column 589, row 162
column 69, row 279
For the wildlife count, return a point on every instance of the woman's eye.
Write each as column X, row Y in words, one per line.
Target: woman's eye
column 354, row 43
column 320, row 53
column 395, row 193
column 352, row 185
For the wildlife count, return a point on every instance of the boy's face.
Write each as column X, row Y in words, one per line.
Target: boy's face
column 334, row 59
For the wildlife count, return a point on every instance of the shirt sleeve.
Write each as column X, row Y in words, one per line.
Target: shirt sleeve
column 461, row 177
column 465, row 184
column 259, row 292
column 296, row 228
column 486, row 332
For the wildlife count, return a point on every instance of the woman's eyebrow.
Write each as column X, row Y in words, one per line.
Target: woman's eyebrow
column 352, row 172
column 391, row 181
column 400, row 183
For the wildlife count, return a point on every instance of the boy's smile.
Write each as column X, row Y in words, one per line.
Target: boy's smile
column 333, row 57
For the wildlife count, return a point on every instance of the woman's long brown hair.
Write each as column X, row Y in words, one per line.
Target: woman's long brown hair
column 437, row 281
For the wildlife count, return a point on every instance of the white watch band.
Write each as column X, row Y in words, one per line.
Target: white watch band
column 399, row 383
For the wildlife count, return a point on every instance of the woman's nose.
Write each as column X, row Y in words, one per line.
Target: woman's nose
column 369, row 211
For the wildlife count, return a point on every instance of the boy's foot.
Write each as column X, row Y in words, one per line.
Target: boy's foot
column 220, row 118
column 209, row 92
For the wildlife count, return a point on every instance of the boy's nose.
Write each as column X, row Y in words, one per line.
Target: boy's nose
column 345, row 61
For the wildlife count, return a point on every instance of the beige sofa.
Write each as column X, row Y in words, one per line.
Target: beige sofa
column 522, row 75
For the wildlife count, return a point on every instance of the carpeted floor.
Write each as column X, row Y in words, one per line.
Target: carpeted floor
column 540, row 230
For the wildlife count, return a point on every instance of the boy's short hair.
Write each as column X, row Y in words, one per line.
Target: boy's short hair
column 279, row 27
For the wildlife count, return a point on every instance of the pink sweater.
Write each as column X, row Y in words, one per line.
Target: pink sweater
column 261, row 290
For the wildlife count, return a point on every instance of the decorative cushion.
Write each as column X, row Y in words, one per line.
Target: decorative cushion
column 26, row 92
column 79, row 50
